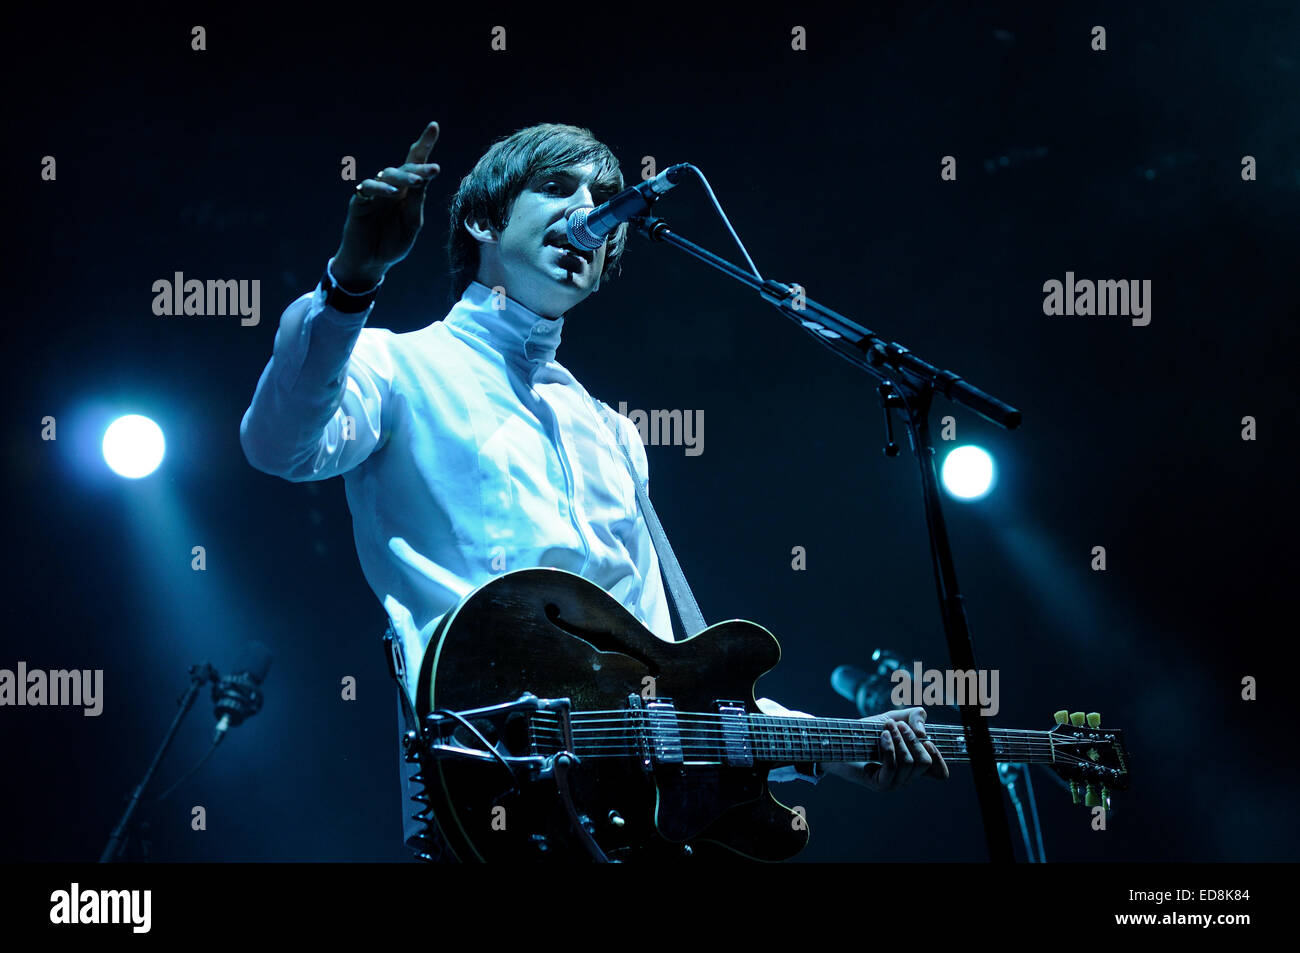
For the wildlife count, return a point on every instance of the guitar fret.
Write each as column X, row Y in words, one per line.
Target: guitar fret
column 791, row 739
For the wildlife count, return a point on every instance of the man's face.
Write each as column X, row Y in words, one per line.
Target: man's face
column 527, row 258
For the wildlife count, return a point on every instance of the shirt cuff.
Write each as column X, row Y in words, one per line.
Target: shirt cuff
column 339, row 298
column 812, row 773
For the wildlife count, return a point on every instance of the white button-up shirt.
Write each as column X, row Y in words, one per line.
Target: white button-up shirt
column 471, row 452
column 466, row 451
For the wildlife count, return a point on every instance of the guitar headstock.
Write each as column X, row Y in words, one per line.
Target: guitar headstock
column 1092, row 759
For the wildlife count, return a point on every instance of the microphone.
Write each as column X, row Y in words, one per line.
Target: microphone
column 237, row 696
column 869, row 691
column 588, row 229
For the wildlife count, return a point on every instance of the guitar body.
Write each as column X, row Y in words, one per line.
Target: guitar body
column 556, row 635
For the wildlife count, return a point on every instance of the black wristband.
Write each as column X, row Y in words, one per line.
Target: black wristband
column 343, row 300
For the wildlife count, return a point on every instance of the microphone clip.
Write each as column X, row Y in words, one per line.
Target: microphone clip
column 237, row 697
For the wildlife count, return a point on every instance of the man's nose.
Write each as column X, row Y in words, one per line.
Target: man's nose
column 582, row 198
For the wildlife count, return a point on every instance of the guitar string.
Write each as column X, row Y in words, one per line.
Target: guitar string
column 855, row 730
column 710, row 741
column 716, row 714
column 791, row 732
column 795, row 733
column 632, row 715
column 713, row 741
column 851, row 731
column 824, row 724
column 813, row 732
column 836, row 736
column 714, row 753
column 799, row 733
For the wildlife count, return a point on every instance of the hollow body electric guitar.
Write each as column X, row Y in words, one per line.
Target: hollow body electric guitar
column 555, row 726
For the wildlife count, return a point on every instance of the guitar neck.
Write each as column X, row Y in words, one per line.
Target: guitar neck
column 787, row 740
column 771, row 739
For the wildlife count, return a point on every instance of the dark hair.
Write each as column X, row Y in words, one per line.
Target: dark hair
column 488, row 193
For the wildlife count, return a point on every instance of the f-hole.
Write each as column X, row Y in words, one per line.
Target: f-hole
column 600, row 641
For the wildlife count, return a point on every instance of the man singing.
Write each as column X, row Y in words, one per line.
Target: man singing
column 466, row 449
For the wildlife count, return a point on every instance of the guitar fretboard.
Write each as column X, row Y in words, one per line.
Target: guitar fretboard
column 773, row 739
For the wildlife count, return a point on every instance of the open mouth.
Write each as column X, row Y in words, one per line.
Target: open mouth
column 568, row 251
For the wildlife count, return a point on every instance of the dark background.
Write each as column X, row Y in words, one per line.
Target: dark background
column 1118, row 164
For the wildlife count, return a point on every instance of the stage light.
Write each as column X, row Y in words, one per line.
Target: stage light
column 968, row 473
column 133, row 446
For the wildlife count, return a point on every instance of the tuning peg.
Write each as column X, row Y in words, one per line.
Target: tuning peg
column 1091, row 799
column 1076, row 719
column 1094, row 719
column 1105, row 798
column 1074, row 791
column 1062, row 716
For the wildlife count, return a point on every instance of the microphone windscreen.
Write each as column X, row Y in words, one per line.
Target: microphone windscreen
column 846, row 679
column 255, row 659
column 579, row 235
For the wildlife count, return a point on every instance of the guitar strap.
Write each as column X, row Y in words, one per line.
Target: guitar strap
column 688, row 611
column 397, row 668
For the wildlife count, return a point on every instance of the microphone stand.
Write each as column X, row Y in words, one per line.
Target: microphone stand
column 909, row 383
column 1011, row 773
column 200, row 675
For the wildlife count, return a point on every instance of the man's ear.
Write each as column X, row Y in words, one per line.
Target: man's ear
column 480, row 233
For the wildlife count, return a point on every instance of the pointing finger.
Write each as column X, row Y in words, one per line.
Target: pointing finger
column 420, row 148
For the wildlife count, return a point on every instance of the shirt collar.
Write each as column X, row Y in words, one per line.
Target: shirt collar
column 519, row 333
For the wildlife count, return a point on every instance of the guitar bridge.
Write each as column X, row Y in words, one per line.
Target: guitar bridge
column 550, row 714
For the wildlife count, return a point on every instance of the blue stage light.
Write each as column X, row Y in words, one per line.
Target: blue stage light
column 133, row 446
column 968, row 473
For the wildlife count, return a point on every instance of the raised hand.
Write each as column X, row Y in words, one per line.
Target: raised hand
column 385, row 215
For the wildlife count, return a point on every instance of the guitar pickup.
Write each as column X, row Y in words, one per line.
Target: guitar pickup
column 737, row 750
column 660, row 734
